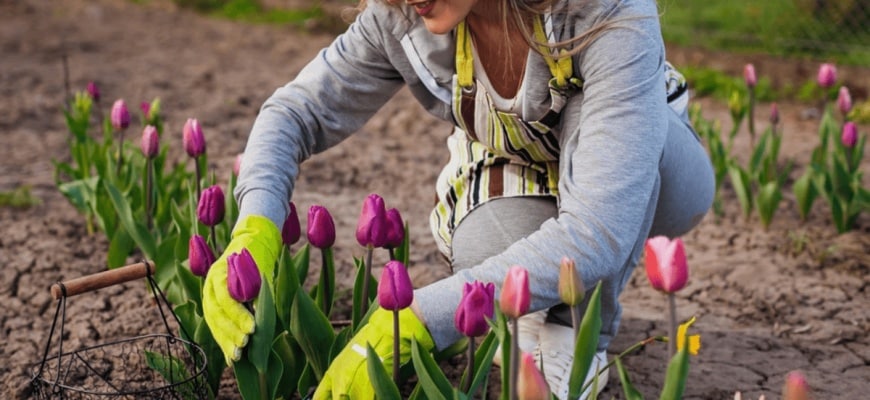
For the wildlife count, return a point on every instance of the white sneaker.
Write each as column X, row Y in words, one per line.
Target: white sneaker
column 529, row 328
column 555, row 354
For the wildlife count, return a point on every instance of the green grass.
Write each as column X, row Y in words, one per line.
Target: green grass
column 253, row 12
column 19, row 197
column 837, row 32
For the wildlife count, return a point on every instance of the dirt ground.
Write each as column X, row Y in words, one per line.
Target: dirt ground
column 794, row 296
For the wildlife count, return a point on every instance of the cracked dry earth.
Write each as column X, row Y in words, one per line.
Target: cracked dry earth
column 794, row 296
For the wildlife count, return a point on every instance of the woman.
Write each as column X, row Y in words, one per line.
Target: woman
column 565, row 145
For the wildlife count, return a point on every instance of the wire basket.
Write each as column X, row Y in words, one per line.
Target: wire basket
column 154, row 366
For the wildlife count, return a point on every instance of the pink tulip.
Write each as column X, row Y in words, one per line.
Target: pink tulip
column 844, row 100
column 774, row 113
column 371, row 230
column 321, row 227
column 94, row 91
column 395, row 291
column 146, row 108
column 796, row 387
column 477, row 304
column 515, row 295
column 827, row 75
column 749, row 75
column 850, row 134
column 200, row 255
column 571, row 289
column 192, row 138
column 150, row 142
column 243, row 276
column 395, row 229
column 237, row 165
column 291, row 231
column 666, row 265
column 531, row 384
column 120, row 115
column 211, row 207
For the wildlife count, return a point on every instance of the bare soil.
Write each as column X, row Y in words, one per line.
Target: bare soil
column 794, row 296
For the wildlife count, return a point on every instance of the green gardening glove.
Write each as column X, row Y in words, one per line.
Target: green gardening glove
column 230, row 322
column 348, row 377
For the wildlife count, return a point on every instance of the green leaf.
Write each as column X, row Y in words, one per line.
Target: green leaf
column 431, row 377
column 248, row 380
column 483, row 362
column 313, row 332
column 307, row 381
column 356, row 317
column 741, row 184
column 301, row 262
column 675, row 379
column 120, row 246
column 261, row 341
column 383, row 385
column 805, row 193
column 136, row 230
column 286, row 285
column 292, row 359
column 326, row 283
column 174, row 371
column 769, row 197
column 630, row 392
column 587, row 343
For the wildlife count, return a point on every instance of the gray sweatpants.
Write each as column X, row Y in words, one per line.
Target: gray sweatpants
column 685, row 193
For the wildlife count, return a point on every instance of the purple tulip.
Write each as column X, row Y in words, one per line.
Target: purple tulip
column 774, row 113
column 210, row 209
column 850, row 134
column 150, row 142
column 192, row 138
column 515, row 296
column 94, row 91
column 827, row 75
column 321, row 227
column 749, row 75
column 237, row 165
column 844, row 100
column 200, row 255
column 395, row 229
column 146, row 108
column 477, row 304
column 395, row 291
column 371, row 230
column 120, row 116
column 291, row 231
column 243, row 276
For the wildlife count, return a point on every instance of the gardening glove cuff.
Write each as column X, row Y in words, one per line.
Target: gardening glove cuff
column 229, row 321
column 347, row 376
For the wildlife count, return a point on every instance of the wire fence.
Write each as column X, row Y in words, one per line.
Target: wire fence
column 835, row 29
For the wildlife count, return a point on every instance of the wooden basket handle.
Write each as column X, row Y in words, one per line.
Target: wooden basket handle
column 103, row 279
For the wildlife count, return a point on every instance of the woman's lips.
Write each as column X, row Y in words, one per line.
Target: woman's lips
column 423, row 7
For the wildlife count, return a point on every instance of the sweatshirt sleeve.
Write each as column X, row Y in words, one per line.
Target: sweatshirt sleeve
column 612, row 139
column 332, row 97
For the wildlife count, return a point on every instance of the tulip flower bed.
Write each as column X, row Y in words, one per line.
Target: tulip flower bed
column 766, row 301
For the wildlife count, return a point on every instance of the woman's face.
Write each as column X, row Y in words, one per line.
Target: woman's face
column 441, row 16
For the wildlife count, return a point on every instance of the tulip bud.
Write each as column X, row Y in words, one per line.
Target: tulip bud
column 237, row 165
column 395, row 291
column 94, row 91
column 796, row 387
column 749, row 75
column 571, row 289
column 827, row 75
column 395, row 229
column 531, row 384
column 243, row 276
column 210, row 209
column 666, row 265
column 321, row 228
column 515, row 295
column 146, row 108
column 291, row 231
column 850, row 134
column 844, row 100
column 477, row 304
column 774, row 113
column 200, row 257
column 735, row 105
column 371, row 230
column 192, row 138
column 150, row 142
column 120, row 115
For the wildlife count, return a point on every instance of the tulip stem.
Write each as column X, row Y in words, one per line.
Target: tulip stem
column 469, row 370
column 751, row 117
column 515, row 359
column 213, row 237
column 396, row 359
column 672, row 325
column 149, row 176
column 120, row 153
column 620, row 356
column 392, row 254
column 367, row 272
column 575, row 321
